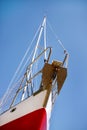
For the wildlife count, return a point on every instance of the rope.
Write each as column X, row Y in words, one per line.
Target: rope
column 17, row 70
column 25, row 64
column 24, row 57
column 57, row 38
column 61, row 44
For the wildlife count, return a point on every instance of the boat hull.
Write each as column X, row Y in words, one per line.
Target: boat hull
column 31, row 114
column 36, row 120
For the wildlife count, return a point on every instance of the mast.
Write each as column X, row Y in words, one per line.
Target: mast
column 45, row 56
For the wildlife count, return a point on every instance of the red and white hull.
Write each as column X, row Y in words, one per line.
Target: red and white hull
column 36, row 120
column 31, row 114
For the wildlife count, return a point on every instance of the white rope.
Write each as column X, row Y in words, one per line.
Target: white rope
column 17, row 70
column 61, row 44
column 57, row 38
column 24, row 57
column 19, row 74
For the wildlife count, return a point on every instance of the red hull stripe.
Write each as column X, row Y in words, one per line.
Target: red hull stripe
column 36, row 120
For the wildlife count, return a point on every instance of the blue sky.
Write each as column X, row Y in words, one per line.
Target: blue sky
column 19, row 19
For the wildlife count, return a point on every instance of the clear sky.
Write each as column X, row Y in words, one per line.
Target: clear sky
column 19, row 19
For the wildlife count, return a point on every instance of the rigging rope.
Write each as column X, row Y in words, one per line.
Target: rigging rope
column 24, row 57
column 21, row 70
column 56, row 36
column 61, row 44
column 17, row 70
